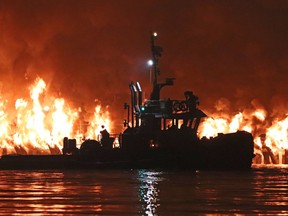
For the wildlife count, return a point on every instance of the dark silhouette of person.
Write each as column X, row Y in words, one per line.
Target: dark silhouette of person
column 104, row 133
column 106, row 140
column 192, row 100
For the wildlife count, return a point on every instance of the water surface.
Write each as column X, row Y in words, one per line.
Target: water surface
column 261, row 191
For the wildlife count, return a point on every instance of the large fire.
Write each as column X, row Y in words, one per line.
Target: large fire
column 273, row 138
column 38, row 125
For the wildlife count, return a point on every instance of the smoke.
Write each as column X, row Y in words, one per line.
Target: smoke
column 87, row 50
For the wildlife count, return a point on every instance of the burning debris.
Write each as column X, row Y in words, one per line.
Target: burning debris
column 38, row 125
column 270, row 136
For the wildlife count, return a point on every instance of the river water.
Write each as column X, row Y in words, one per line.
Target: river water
column 261, row 191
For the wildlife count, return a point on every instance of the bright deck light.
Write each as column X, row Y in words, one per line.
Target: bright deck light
column 150, row 62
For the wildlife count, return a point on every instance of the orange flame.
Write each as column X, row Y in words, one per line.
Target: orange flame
column 40, row 126
column 276, row 135
column 100, row 118
column 40, row 123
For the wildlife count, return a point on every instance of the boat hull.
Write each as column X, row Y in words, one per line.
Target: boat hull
column 230, row 151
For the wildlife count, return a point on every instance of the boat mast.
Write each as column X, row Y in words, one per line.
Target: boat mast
column 156, row 54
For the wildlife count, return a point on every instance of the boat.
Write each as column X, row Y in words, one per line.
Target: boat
column 159, row 133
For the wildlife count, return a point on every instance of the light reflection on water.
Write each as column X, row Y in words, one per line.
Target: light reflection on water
column 261, row 191
column 148, row 190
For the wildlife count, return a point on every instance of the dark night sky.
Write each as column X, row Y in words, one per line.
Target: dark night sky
column 86, row 49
